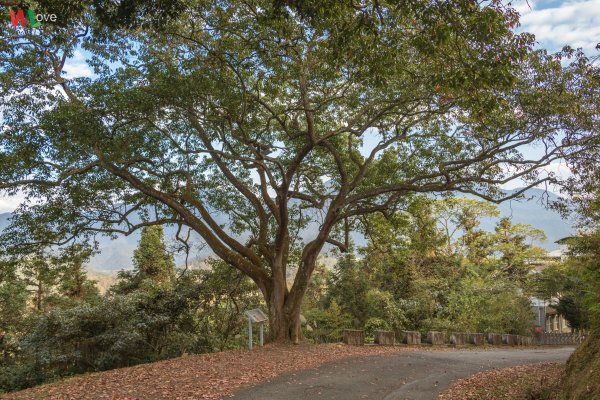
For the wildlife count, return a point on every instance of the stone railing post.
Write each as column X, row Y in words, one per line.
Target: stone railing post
column 494, row 339
column 411, row 337
column 458, row 338
column 476, row 339
column 387, row 338
column 435, row 338
column 511, row 340
column 354, row 337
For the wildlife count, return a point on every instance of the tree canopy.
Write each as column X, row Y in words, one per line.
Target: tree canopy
column 276, row 115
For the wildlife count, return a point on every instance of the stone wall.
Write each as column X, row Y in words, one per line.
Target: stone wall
column 559, row 338
column 356, row 337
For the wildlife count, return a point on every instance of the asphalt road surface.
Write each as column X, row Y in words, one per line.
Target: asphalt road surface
column 401, row 376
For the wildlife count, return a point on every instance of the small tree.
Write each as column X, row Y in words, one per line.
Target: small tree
column 153, row 265
column 327, row 325
column 73, row 282
column 151, row 259
column 40, row 274
column 348, row 287
column 514, row 244
column 13, row 304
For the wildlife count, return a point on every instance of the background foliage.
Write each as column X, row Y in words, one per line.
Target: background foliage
column 414, row 276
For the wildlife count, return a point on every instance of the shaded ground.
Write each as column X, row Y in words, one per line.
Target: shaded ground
column 206, row 376
column 411, row 375
column 523, row 382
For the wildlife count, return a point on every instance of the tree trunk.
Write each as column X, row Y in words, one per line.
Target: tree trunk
column 285, row 306
column 285, row 321
column 38, row 300
column 284, row 312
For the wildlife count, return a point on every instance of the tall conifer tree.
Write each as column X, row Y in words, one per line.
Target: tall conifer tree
column 151, row 259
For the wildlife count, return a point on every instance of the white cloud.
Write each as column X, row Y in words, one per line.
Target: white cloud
column 557, row 169
column 9, row 204
column 524, row 7
column 76, row 67
column 576, row 23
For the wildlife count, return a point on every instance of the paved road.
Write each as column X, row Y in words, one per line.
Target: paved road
column 410, row 375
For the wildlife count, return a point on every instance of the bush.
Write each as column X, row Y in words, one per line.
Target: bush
column 374, row 324
column 326, row 326
column 384, row 312
column 198, row 313
column 120, row 331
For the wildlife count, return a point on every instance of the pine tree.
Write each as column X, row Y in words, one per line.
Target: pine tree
column 151, row 259
column 73, row 280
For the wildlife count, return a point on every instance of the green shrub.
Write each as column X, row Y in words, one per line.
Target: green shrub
column 198, row 313
column 374, row 324
column 326, row 326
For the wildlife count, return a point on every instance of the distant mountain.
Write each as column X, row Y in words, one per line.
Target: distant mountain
column 116, row 254
column 103, row 279
column 533, row 211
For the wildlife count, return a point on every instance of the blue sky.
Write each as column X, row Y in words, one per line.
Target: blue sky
column 555, row 23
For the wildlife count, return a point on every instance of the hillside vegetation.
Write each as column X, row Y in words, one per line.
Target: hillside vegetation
column 582, row 379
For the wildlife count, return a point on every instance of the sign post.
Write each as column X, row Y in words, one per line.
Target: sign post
column 256, row 316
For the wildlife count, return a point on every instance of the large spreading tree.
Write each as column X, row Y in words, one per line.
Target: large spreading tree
column 276, row 115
